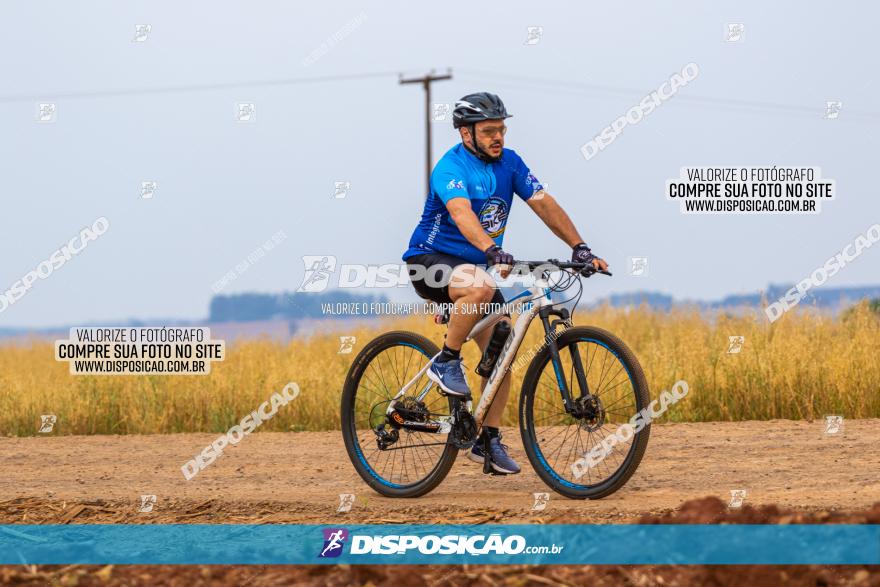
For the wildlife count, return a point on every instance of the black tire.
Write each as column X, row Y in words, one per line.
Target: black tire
column 561, row 479
column 355, row 440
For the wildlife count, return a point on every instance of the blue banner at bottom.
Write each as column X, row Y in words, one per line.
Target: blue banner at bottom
column 659, row 544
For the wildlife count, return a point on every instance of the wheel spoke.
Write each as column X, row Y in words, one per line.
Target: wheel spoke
column 418, row 452
column 562, row 439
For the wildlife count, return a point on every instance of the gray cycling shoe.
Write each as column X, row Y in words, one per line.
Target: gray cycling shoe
column 449, row 375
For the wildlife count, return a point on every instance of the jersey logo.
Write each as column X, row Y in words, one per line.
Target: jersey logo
column 493, row 216
column 455, row 184
column 533, row 181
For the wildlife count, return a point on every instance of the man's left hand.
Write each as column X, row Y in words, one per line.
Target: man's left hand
column 581, row 253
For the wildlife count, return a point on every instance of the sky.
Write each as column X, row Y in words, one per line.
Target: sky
column 163, row 109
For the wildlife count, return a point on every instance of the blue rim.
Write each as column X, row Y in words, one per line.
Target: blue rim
column 540, row 454
column 357, row 444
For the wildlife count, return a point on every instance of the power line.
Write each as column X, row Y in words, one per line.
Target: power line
column 192, row 88
column 527, row 82
column 579, row 87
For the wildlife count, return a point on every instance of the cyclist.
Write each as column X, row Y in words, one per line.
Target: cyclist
column 461, row 232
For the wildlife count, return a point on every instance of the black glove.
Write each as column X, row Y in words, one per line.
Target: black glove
column 581, row 254
column 496, row 256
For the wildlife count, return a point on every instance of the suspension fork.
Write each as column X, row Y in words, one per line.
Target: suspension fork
column 550, row 337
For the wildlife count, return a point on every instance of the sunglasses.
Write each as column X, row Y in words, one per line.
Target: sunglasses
column 489, row 132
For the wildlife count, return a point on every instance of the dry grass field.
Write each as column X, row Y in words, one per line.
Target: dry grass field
column 801, row 367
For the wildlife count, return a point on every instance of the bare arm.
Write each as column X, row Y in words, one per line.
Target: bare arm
column 468, row 224
column 549, row 210
column 552, row 214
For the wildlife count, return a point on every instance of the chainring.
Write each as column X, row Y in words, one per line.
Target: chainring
column 464, row 430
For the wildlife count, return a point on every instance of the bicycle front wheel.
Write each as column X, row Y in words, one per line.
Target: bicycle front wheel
column 395, row 461
column 556, row 441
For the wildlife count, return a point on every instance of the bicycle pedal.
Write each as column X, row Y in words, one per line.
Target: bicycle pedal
column 464, row 398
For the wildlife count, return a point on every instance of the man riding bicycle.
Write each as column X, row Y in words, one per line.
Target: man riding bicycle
column 461, row 231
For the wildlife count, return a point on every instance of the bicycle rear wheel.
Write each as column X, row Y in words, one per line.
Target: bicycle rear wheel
column 395, row 461
column 555, row 440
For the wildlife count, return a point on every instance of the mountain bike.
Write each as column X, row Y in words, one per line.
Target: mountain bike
column 403, row 433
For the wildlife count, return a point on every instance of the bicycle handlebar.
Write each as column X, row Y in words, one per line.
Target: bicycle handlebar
column 585, row 269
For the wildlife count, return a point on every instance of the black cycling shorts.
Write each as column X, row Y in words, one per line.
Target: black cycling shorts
column 439, row 293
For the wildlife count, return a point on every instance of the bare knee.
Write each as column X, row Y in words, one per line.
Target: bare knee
column 473, row 283
column 485, row 293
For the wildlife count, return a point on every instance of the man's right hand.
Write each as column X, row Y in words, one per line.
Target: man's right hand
column 495, row 255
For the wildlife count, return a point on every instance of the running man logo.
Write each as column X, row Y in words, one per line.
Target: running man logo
column 832, row 109
column 833, row 424
column 638, row 266
column 148, row 188
column 441, row 112
column 346, row 500
column 341, row 189
column 735, row 344
column 47, row 113
column 246, row 112
column 735, row 32
column 541, row 501
column 318, row 270
column 334, row 538
column 47, row 423
column 346, row 344
column 141, row 32
column 534, row 35
column 737, row 497
column 147, row 503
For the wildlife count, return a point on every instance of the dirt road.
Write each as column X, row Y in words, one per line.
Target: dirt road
column 297, row 477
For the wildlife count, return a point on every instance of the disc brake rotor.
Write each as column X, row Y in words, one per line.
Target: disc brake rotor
column 592, row 413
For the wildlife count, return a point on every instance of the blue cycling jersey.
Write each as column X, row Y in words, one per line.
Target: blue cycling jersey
column 488, row 186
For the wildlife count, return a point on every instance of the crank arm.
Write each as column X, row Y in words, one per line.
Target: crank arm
column 431, row 427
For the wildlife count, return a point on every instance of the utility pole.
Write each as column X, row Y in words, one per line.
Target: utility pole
column 426, row 83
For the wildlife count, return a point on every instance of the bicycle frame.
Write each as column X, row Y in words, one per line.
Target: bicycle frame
column 538, row 303
column 539, row 297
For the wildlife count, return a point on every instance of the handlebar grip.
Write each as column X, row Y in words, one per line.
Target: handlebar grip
column 588, row 271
